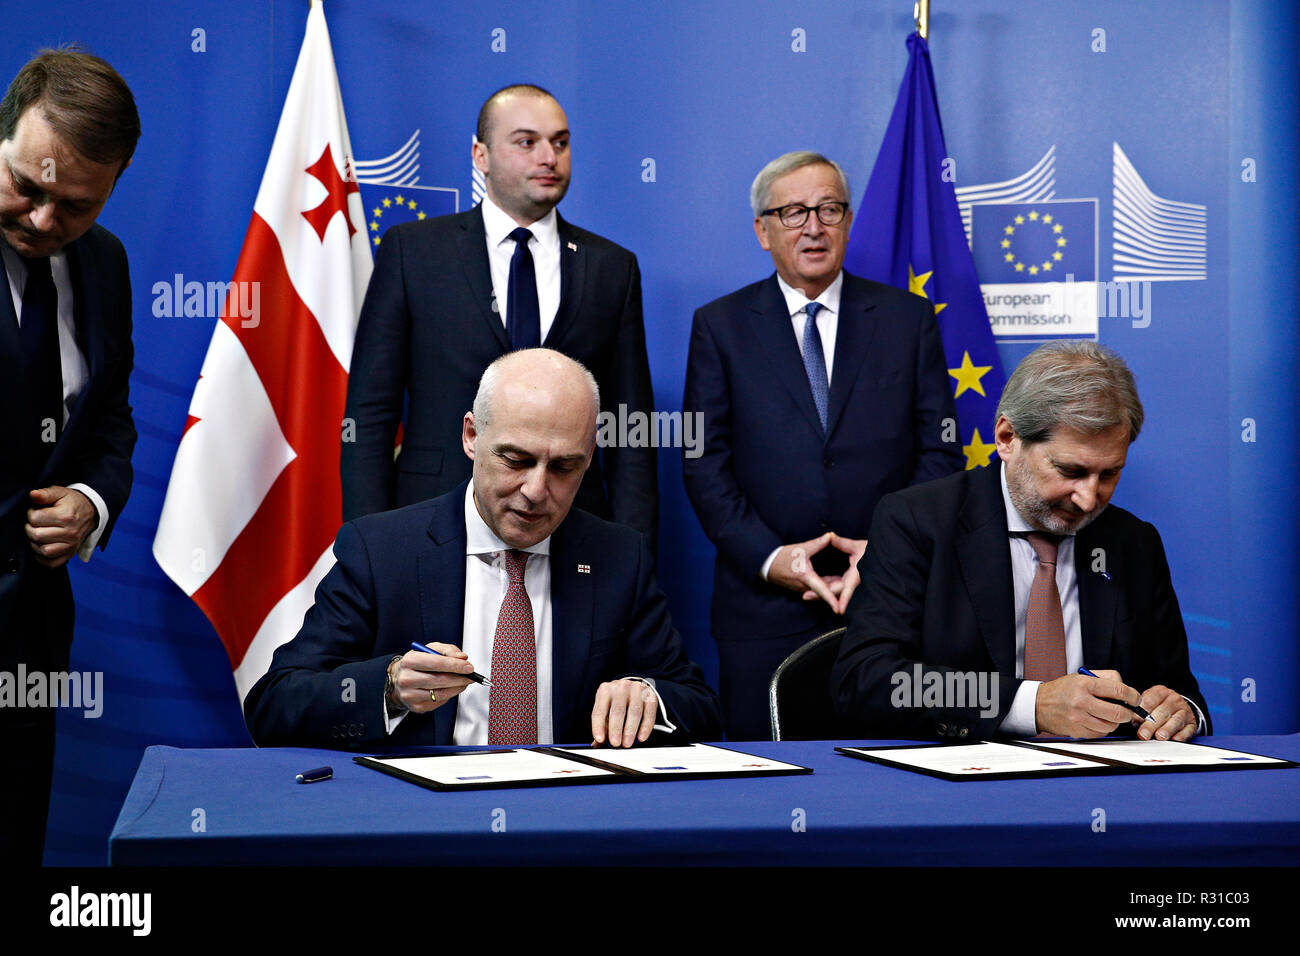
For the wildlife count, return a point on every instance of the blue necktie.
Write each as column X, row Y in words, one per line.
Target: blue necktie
column 814, row 362
column 523, row 317
column 38, row 337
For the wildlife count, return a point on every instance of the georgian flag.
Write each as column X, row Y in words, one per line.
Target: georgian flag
column 253, row 503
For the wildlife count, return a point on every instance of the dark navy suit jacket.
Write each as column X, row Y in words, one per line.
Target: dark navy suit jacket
column 936, row 589
column 400, row 577
column 768, row 475
column 94, row 448
column 428, row 330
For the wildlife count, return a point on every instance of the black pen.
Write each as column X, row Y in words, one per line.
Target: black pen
column 1136, row 708
column 475, row 676
column 313, row 776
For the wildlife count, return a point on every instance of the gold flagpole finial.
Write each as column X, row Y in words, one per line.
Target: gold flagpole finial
column 921, row 14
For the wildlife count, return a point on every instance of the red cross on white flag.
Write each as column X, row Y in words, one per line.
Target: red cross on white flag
column 253, row 503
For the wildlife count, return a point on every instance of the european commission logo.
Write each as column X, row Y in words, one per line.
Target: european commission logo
column 392, row 194
column 1038, row 256
column 1035, row 242
column 1037, row 263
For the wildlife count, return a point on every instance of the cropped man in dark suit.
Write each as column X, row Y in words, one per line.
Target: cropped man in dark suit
column 438, row 310
column 68, row 128
column 558, row 608
column 1019, row 575
column 801, row 442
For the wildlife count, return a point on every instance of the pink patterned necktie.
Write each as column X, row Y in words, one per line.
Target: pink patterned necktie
column 512, row 705
column 1044, row 625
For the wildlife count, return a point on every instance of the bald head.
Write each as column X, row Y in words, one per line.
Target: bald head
column 532, row 374
column 531, row 436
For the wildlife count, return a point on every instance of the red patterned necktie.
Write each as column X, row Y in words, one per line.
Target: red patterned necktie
column 512, row 704
column 1044, row 626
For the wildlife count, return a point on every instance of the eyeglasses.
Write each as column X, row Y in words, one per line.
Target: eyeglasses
column 795, row 214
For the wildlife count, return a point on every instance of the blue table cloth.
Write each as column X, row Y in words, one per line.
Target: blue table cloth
column 243, row 806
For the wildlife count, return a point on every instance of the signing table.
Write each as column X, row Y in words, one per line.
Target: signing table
column 215, row 807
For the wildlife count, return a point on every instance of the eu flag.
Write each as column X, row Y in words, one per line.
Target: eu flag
column 908, row 233
column 1035, row 241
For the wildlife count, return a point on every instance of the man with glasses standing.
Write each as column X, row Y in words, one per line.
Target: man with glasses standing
column 821, row 392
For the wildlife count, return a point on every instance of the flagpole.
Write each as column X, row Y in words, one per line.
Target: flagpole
column 921, row 14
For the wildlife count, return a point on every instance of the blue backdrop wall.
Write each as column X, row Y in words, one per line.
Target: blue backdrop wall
column 675, row 105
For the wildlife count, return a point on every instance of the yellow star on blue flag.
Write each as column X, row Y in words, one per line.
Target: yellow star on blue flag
column 390, row 205
column 968, row 375
column 908, row 232
column 977, row 453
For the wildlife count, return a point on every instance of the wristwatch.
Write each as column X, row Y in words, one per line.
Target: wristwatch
column 389, row 708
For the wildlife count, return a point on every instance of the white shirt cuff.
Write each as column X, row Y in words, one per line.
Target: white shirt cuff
column 88, row 546
column 767, row 565
column 1200, row 717
column 1020, row 720
column 390, row 723
column 663, row 723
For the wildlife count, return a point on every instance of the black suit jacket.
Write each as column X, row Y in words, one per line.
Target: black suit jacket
column 937, row 589
column 428, row 330
column 94, row 448
column 400, row 577
column 768, row 476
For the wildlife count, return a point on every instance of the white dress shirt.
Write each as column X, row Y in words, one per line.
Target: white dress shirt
column 828, row 319
column 545, row 249
column 1021, row 719
column 486, row 582
column 828, row 323
column 76, row 372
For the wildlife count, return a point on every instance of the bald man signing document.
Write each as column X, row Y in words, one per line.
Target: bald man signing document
column 559, row 609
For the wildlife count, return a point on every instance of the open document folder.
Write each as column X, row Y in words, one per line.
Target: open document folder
column 559, row 766
column 987, row 760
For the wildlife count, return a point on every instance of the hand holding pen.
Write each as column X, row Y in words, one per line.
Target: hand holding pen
column 475, row 676
column 1084, row 705
column 426, row 677
column 1136, row 708
column 1177, row 721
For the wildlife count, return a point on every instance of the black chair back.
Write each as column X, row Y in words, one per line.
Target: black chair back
column 799, row 697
